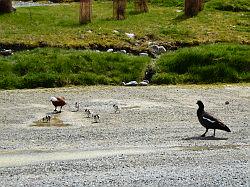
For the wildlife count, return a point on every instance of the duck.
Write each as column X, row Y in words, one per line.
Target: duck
column 208, row 121
column 58, row 102
column 87, row 111
column 77, row 106
column 116, row 108
column 96, row 118
column 47, row 118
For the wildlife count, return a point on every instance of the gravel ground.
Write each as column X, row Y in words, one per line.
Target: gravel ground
column 153, row 141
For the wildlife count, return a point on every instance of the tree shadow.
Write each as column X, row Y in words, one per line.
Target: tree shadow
column 204, row 138
column 180, row 18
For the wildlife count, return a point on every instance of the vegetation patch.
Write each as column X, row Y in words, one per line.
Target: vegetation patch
column 58, row 26
column 53, row 67
column 228, row 63
column 229, row 5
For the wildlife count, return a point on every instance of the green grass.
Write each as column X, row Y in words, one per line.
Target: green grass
column 205, row 64
column 229, row 5
column 51, row 67
column 58, row 26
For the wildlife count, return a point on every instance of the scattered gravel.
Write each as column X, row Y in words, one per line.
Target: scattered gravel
column 153, row 141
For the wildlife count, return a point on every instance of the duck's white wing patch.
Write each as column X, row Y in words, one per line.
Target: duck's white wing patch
column 53, row 99
column 211, row 121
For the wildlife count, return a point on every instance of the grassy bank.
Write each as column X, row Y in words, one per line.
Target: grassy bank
column 221, row 21
column 204, row 64
column 58, row 26
column 50, row 67
column 53, row 67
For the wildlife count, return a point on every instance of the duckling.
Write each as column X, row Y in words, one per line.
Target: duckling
column 87, row 111
column 96, row 118
column 116, row 108
column 77, row 106
column 48, row 118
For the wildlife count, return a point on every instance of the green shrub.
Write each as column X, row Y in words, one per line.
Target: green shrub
column 229, row 5
column 9, row 82
column 34, row 80
column 204, row 64
column 54, row 67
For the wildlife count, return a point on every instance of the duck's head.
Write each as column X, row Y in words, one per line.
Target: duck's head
column 200, row 104
column 53, row 99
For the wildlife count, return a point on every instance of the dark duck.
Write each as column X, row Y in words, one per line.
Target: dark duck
column 208, row 121
column 58, row 102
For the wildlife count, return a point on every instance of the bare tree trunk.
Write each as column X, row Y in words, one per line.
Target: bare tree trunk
column 119, row 9
column 141, row 6
column 5, row 6
column 192, row 7
column 85, row 11
column 201, row 5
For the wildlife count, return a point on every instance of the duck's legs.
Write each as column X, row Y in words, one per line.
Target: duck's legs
column 55, row 108
column 203, row 135
column 214, row 132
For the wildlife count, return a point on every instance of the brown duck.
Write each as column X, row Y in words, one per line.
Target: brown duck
column 58, row 102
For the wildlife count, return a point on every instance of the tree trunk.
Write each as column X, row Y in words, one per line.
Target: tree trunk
column 5, row 6
column 85, row 11
column 201, row 4
column 141, row 6
column 192, row 7
column 119, row 9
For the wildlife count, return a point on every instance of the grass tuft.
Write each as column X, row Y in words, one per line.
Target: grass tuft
column 204, row 64
column 53, row 67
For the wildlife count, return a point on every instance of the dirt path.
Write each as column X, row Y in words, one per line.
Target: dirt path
column 154, row 140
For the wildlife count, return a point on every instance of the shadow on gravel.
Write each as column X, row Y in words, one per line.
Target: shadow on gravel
column 204, row 138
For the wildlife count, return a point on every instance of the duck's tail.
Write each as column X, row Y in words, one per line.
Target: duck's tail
column 224, row 127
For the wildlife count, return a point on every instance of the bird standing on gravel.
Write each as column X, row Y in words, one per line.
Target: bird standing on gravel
column 208, row 121
column 116, row 108
column 96, row 118
column 87, row 111
column 77, row 106
column 58, row 102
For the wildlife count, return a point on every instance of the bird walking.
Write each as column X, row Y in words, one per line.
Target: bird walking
column 58, row 102
column 47, row 118
column 96, row 118
column 208, row 121
column 116, row 108
column 87, row 111
column 77, row 106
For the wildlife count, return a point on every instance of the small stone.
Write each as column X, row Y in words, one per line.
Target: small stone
column 143, row 54
column 110, row 50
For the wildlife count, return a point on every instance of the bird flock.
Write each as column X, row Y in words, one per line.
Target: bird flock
column 205, row 119
column 59, row 102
